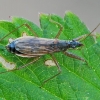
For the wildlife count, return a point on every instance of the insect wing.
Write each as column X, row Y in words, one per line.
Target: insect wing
column 34, row 46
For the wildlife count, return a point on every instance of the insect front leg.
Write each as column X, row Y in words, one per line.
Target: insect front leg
column 59, row 71
column 74, row 56
column 21, row 67
column 61, row 27
column 18, row 28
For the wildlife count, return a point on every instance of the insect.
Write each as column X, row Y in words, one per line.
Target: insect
column 36, row 47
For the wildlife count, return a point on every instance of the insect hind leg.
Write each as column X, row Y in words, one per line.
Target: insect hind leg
column 21, row 67
column 18, row 28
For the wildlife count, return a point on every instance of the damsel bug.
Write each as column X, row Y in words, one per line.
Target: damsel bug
column 30, row 46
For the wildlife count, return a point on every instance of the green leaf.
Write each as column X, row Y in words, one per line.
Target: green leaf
column 78, row 80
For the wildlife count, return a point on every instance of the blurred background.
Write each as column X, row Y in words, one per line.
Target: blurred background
column 87, row 10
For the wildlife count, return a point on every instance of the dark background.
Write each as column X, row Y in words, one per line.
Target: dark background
column 87, row 10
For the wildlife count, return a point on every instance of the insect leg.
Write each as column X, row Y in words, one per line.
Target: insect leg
column 31, row 30
column 74, row 56
column 18, row 28
column 59, row 70
column 61, row 27
column 21, row 66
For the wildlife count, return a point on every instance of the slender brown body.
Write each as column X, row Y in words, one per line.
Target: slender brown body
column 30, row 46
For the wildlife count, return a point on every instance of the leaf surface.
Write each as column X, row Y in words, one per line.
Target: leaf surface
column 78, row 80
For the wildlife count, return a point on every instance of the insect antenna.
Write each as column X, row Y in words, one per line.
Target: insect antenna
column 83, row 37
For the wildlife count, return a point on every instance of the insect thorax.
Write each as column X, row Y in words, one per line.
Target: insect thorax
column 74, row 44
column 64, row 45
